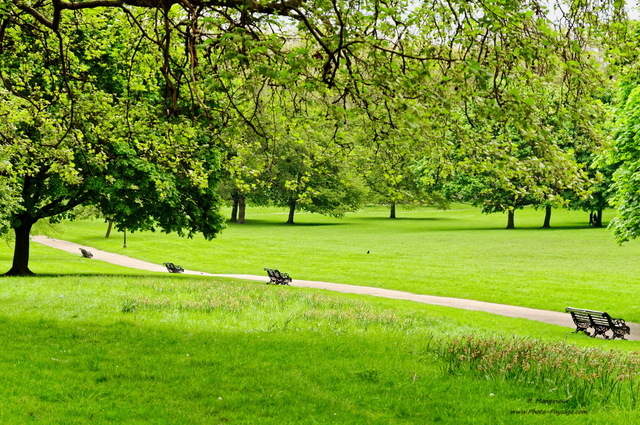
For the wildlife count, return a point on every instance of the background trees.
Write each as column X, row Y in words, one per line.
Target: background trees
column 514, row 102
column 134, row 106
column 626, row 225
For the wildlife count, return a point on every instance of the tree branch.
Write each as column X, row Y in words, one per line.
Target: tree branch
column 37, row 15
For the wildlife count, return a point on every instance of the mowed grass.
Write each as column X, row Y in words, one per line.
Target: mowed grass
column 458, row 253
column 96, row 343
column 192, row 350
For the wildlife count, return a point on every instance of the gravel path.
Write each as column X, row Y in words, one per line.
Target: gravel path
column 552, row 317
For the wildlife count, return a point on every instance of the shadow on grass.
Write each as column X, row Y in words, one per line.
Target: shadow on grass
column 443, row 220
column 270, row 223
column 142, row 275
column 577, row 226
column 398, row 219
column 522, row 228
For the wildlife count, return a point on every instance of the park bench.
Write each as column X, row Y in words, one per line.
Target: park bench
column 600, row 322
column 85, row 253
column 173, row 268
column 277, row 278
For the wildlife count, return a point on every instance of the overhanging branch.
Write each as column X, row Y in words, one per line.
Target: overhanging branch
column 280, row 6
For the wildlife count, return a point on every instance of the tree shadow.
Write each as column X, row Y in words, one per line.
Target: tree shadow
column 270, row 223
column 530, row 228
column 392, row 220
column 142, row 275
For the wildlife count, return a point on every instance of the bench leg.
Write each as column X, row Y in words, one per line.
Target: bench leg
column 602, row 330
column 582, row 327
column 619, row 333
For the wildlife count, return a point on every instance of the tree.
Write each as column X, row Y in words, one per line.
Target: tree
column 508, row 94
column 82, row 129
column 120, row 113
column 393, row 131
column 308, row 167
column 625, row 153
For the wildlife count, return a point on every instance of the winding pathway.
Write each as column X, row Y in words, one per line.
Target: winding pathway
column 551, row 317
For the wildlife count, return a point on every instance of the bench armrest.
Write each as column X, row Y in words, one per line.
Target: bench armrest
column 619, row 322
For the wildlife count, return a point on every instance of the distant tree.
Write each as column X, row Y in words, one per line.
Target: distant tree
column 393, row 135
column 506, row 115
column 525, row 171
column 309, row 172
column 245, row 179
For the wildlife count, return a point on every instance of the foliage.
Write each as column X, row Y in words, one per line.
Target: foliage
column 517, row 109
column 627, row 225
column 295, row 85
column 624, row 155
column 83, row 128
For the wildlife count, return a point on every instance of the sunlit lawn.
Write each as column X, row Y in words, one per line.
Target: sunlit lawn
column 178, row 349
column 92, row 342
column 459, row 253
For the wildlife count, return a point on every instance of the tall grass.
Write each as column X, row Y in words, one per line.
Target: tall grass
column 240, row 305
column 573, row 376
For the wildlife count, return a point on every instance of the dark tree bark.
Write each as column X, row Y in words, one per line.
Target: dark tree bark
column 234, row 211
column 292, row 210
column 279, row 7
column 239, row 208
column 511, row 224
column 392, row 213
column 109, row 229
column 595, row 219
column 242, row 207
column 598, row 218
column 547, row 217
column 20, row 265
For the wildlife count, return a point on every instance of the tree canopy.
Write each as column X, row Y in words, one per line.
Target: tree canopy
column 137, row 106
column 83, row 127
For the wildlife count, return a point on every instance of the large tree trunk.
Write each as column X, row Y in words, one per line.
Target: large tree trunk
column 511, row 224
column 242, row 207
column 20, row 265
column 109, row 229
column 239, row 207
column 234, row 211
column 392, row 213
column 292, row 210
column 595, row 218
column 547, row 217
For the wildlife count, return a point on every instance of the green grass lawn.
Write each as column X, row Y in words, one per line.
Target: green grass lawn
column 90, row 342
column 179, row 349
column 458, row 253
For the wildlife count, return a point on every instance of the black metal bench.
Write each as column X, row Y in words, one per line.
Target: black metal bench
column 173, row 268
column 600, row 322
column 277, row 278
column 85, row 253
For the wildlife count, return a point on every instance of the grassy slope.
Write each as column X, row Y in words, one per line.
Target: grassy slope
column 176, row 350
column 458, row 253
